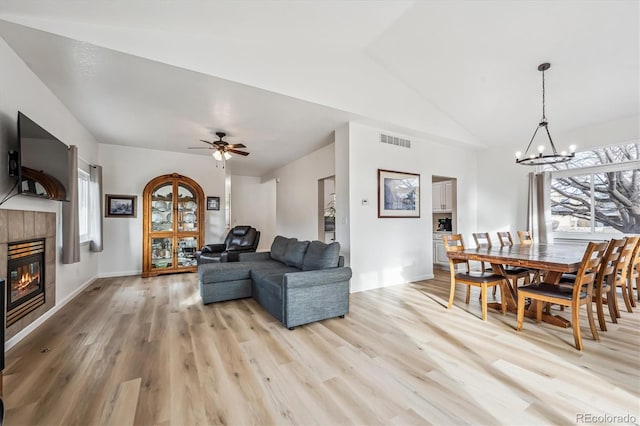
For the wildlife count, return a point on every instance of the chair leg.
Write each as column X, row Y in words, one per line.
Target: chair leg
column 452, row 294
column 483, row 294
column 614, row 300
column 466, row 299
column 575, row 324
column 630, row 291
column 625, row 296
column 520, row 315
column 503, row 300
column 611, row 296
column 600, row 310
column 539, row 305
column 592, row 323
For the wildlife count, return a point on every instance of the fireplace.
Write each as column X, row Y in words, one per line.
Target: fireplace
column 25, row 284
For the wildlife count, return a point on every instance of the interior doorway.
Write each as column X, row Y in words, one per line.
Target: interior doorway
column 443, row 215
column 327, row 209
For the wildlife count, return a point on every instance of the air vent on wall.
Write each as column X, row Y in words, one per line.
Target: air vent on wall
column 394, row 140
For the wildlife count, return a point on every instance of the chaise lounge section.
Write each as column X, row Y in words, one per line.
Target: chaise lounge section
column 298, row 282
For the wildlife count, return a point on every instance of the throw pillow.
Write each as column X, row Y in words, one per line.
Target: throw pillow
column 279, row 248
column 321, row 256
column 295, row 253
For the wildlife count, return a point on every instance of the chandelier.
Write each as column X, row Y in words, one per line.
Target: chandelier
column 540, row 158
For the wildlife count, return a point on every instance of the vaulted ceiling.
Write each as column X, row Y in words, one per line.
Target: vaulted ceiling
column 279, row 76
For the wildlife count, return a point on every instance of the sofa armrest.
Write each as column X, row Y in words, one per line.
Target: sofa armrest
column 315, row 278
column 213, row 248
column 253, row 256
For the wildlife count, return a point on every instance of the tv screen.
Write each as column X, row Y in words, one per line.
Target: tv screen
column 44, row 162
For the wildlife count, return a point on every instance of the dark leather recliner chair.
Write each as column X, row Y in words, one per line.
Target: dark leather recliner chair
column 240, row 239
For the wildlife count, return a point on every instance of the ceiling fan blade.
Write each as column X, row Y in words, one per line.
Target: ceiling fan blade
column 236, row 145
column 235, row 151
column 199, row 147
column 210, row 143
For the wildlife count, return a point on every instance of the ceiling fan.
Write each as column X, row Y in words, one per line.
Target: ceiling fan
column 222, row 148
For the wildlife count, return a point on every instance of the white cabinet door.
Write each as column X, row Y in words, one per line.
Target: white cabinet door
column 441, row 254
column 447, row 196
column 436, row 197
column 442, row 197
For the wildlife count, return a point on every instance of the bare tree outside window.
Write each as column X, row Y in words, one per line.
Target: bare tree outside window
column 597, row 198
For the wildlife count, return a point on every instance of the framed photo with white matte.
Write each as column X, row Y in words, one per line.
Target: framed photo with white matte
column 398, row 194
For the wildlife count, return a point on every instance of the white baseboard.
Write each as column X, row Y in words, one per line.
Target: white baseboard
column 423, row 277
column 59, row 304
column 118, row 274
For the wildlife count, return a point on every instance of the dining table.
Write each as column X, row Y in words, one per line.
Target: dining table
column 551, row 259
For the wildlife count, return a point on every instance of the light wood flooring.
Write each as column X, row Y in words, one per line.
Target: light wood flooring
column 147, row 351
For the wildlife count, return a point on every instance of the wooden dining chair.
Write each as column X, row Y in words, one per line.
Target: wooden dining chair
column 514, row 274
column 604, row 280
column 633, row 276
column 579, row 295
column 483, row 280
column 525, row 237
column 483, row 240
column 620, row 276
column 507, row 241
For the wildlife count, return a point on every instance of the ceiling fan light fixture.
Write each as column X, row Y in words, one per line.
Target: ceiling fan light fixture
column 217, row 155
column 227, row 156
column 533, row 159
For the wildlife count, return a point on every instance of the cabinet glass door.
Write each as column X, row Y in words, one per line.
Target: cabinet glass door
column 161, row 253
column 162, row 208
column 187, row 208
column 187, row 252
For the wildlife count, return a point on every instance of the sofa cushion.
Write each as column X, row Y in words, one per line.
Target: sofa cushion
column 279, row 247
column 220, row 272
column 295, row 253
column 321, row 256
column 271, row 280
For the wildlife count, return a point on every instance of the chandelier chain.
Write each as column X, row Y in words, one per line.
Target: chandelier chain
column 544, row 117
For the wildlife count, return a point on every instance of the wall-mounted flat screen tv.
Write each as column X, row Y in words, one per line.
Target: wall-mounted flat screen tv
column 44, row 162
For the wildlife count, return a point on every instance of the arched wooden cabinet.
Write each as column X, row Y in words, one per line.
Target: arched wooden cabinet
column 173, row 225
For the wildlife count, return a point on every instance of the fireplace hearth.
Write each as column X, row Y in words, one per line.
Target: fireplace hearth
column 25, row 284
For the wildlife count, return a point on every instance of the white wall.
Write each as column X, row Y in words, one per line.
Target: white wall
column 297, row 193
column 127, row 170
column 253, row 203
column 389, row 251
column 21, row 90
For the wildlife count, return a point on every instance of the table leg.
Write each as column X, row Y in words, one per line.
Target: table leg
column 509, row 296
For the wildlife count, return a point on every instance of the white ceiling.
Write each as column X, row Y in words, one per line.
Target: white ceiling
column 165, row 74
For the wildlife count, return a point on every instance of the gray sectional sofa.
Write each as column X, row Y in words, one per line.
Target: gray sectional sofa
column 297, row 282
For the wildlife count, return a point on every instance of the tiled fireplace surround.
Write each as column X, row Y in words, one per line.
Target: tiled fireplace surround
column 20, row 225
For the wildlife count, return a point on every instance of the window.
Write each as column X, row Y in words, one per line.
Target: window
column 83, row 206
column 598, row 193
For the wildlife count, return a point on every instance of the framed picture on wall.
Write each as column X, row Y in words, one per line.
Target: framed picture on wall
column 213, row 203
column 398, row 194
column 120, row 205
